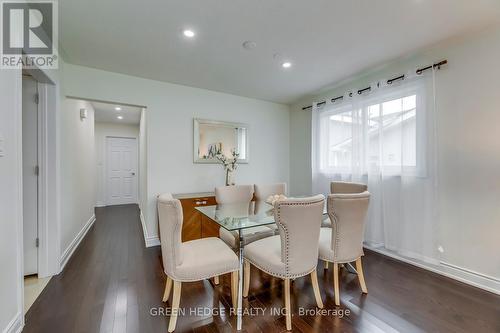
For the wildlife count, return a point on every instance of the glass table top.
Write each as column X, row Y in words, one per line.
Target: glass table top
column 240, row 215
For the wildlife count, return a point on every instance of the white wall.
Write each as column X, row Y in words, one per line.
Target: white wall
column 468, row 112
column 102, row 130
column 143, row 164
column 170, row 111
column 77, row 169
column 300, row 150
column 11, row 288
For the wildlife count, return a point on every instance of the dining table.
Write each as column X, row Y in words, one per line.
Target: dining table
column 238, row 217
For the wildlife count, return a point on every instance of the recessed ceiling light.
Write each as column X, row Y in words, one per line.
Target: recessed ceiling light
column 119, row 117
column 286, row 64
column 188, row 33
column 118, row 108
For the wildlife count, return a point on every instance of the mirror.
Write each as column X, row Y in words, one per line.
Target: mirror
column 213, row 137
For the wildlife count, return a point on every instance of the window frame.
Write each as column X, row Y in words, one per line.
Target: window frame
column 363, row 103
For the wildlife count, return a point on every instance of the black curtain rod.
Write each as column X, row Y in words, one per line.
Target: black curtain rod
column 390, row 81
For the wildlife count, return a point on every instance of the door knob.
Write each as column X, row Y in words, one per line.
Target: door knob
column 133, row 173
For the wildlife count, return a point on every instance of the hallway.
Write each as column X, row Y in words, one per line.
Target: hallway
column 109, row 284
column 112, row 282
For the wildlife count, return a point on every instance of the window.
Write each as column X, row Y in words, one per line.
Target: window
column 377, row 134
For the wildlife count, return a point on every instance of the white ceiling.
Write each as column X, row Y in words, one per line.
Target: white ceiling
column 326, row 40
column 106, row 113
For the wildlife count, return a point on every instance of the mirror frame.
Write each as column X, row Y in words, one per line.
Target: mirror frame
column 196, row 140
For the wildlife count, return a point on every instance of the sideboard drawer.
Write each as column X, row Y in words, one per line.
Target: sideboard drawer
column 203, row 201
column 192, row 224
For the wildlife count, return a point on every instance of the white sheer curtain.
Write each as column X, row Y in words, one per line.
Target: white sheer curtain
column 385, row 138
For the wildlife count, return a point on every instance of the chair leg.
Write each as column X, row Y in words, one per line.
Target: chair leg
column 336, row 283
column 317, row 294
column 168, row 287
column 361, row 276
column 287, row 305
column 234, row 289
column 175, row 306
column 246, row 280
column 326, row 264
column 216, row 280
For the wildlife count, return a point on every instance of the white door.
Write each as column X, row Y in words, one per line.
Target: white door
column 121, row 171
column 30, row 177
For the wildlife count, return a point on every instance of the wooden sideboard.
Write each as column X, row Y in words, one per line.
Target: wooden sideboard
column 195, row 224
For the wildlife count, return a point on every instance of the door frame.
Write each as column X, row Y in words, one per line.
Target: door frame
column 48, row 232
column 41, row 157
column 48, row 177
column 105, row 162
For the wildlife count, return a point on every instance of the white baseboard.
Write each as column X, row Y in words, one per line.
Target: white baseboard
column 100, row 204
column 473, row 278
column 16, row 324
column 464, row 275
column 153, row 241
column 149, row 241
column 74, row 244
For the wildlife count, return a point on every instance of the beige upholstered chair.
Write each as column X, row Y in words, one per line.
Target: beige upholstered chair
column 343, row 187
column 262, row 192
column 343, row 243
column 233, row 194
column 294, row 252
column 239, row 194
column 347, row 187
column 190, row 261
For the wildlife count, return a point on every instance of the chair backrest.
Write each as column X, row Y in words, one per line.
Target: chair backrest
column 346, row 187
column 262, row 192
column 233, row 194
column 299, row 222
column 170, row 221
column 348, row 213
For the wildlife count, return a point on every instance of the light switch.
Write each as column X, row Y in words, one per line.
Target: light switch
column 83, row 114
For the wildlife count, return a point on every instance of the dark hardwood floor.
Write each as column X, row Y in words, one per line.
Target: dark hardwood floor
column 112, row 282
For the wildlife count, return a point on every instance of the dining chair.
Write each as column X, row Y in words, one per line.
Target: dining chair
column 191, row 261
column 238, row 194
column 233, row 195
column 294, row 252
column 264, row 191
column 347, row 187
column 343, row 242
column 338, row 187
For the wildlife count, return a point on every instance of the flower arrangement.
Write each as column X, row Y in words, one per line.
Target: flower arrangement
column 229, row 164
column 272, row 199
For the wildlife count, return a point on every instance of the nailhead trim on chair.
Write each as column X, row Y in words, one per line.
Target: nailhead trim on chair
column 278, row 222
column 336, row 230
column 284, row 276
column 189, row 278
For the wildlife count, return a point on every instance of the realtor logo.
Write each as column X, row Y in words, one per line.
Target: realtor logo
column 29, row 34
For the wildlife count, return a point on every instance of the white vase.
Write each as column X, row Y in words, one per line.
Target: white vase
column 229, row 177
